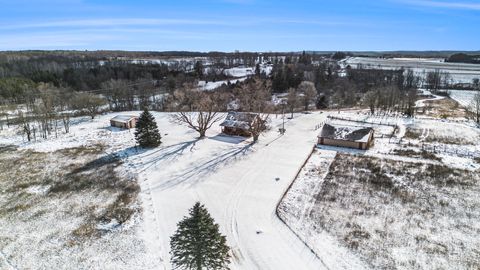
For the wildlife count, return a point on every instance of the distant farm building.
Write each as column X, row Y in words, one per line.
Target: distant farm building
column 239, row 123
column 346, row 136
column 124, row 121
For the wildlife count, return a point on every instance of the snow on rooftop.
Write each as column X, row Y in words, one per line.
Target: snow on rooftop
column 238, row 120
column 123, row 118
column 347, row 133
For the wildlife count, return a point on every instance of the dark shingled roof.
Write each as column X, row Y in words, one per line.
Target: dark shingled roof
column 346, row 133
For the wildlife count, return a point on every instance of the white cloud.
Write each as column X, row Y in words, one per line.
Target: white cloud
column 147, row 22
column 443, row 4
column 112, row 22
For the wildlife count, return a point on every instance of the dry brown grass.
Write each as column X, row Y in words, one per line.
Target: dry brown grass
column 64, row 174
column 416, row 154
column 436, row 136
column 377, row 207
column 444, row 108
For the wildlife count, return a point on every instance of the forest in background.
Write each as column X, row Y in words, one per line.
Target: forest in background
column 50, row 87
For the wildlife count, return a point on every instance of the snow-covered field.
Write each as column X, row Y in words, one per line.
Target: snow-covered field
column 463, row 97
column 459, row 72
column 240, row 73
column 296, row 206
column 208, row 86
column 456, row 142
column 356, row 197
column 391, row 214
column 68, row 209
column 237, row 183
column 235, row 180
column 241, row 185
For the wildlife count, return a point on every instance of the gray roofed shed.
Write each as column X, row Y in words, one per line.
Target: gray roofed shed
column 124, row 121
column 346, row 136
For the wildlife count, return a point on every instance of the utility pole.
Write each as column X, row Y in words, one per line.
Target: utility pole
column 282, row 130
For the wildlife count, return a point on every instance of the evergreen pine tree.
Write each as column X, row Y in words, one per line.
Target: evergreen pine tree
column 147, row 134
column 197, row 243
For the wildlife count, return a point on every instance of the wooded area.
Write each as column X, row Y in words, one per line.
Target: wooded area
column 42, row 90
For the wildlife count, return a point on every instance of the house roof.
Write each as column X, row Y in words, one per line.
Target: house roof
column 240, row 120
column 123, row 118
column 346, row 133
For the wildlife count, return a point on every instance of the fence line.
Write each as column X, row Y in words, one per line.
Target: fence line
column 436, row 149
column 361, row 121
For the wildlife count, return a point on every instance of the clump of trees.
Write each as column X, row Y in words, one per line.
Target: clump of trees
column 197, row 243
column 436, row 79
column 146, row 133
column 285, row 77
column 90, row 103
column 339, row 55
column 463, row 58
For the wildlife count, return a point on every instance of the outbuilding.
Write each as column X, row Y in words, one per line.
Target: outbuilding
column 346, row 136
column 124, row 121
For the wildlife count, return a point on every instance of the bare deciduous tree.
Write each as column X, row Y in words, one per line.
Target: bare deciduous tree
column 88, row 102
column 475, row 107
column 65, row 97
column 309, row 93
column 436, row 79
column 201, row 114
column 258, row 126
column 292, row 101
column 45, row 109
column 254, row 97
column 411, row 81
column 66, row 120
column 27, row 128
column 371, row 99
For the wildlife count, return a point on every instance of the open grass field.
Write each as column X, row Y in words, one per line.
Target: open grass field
column 65, row 209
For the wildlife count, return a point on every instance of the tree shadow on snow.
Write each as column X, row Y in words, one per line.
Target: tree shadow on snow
column 196, row 174
column 228, row 139
column 146, row 158
column 139, row 157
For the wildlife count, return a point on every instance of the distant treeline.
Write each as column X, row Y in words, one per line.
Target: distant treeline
column 464, row 58
column 127, row 85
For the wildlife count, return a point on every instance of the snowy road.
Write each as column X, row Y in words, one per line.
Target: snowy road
column 421, row 103
column 237, row 183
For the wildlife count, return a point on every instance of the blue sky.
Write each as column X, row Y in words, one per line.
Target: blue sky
column 245, row 25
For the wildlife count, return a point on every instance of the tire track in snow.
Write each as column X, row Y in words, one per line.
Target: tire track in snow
column 232, row 208
column 275, row 238
column 153, row 217
column 250, row 198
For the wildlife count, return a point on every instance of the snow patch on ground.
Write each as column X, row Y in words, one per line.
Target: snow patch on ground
column 463, row 97
column 298, row 202
column 209, row 86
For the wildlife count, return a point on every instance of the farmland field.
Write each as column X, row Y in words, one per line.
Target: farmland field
column 459, row 72
column 463, row 97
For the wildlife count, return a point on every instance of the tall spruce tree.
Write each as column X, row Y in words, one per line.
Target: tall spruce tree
column 147, row 134
column 197, row 243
